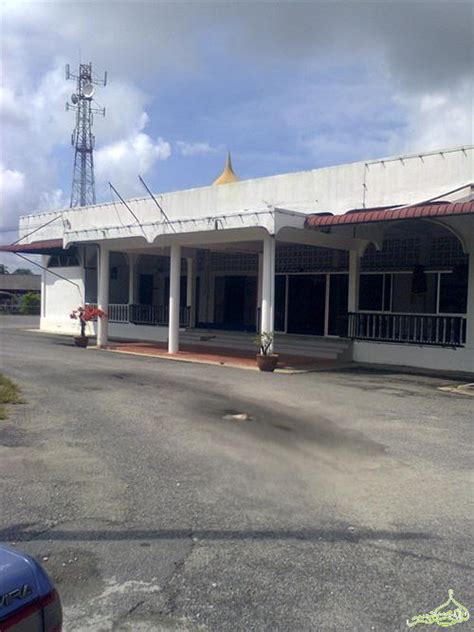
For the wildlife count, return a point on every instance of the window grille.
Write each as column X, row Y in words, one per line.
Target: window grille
column 446, row 251
column 304, row 258
column 66, row 259
column 396, row 254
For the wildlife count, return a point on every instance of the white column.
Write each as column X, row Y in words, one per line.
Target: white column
column 103, row 295
column 190, row 289
column 132, row 275
column 268, row 284
column 44, row 263
column 470, row 300
column 354, row 276
column 272, row 286
column 175, row 273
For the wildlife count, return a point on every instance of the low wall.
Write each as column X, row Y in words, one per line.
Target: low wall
column 125, row 331
column 418, row 356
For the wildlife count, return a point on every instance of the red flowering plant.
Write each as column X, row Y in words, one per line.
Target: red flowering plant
column 86, row 314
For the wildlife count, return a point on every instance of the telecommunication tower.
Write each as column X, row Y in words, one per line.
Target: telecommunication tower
column 83, row 103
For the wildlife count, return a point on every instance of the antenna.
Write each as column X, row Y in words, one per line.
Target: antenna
column 83, row 103
column 156, row 202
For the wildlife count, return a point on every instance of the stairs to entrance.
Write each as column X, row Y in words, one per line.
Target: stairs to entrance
column 336, row 349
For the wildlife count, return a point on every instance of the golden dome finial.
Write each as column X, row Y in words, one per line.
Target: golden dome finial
column 228, row 175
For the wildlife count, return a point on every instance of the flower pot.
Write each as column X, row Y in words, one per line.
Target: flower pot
column 267, row 362
column 81, row 341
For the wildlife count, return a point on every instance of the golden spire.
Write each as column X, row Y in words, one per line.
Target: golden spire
column 228, row 175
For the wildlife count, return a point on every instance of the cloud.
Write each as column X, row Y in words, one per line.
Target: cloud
column 121, row 162
column 11, row 183
column 36, row 129
column 438, row 119
column 196, row 149
column 303, row 84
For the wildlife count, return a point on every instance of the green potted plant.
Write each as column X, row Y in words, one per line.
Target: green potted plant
column 84, row 315
column 266, row 361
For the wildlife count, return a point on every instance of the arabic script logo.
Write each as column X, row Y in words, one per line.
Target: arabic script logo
column 442, row 617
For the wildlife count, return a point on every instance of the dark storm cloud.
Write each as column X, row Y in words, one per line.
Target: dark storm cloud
column 424, row 45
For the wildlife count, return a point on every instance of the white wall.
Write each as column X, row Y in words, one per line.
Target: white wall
column 120, row 331
column 436, row 358
column 61, row 298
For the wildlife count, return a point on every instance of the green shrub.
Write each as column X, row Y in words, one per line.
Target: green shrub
column 9, row 394
column 30, row 303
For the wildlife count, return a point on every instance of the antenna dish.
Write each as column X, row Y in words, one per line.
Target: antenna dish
column 88, row 90
column 74, row 98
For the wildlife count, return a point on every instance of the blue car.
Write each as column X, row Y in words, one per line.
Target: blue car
column 28, row 600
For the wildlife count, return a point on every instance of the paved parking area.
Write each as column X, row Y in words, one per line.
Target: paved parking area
column 342, row 501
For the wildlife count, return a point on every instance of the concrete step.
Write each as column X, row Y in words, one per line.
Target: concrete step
column 310, row 346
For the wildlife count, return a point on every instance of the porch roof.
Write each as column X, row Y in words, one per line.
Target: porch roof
column 367, row 216
column 45, row 247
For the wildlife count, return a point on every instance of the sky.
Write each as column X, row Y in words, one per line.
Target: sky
column 285, row 86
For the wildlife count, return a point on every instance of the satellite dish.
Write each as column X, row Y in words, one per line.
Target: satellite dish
column 74, row 99
column 88, row 90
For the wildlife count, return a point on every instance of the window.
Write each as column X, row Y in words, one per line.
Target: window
column 406, row 301
column 453, row 291
column 65, row 259
column 371, row 292
column 280, row 301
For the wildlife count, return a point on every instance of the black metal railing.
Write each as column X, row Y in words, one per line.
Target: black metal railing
column 426, row 329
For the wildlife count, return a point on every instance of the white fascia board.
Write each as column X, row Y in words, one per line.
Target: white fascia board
column 173, row 231
column 41, row 227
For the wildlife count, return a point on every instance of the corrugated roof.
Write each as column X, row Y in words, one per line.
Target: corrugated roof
column 367, row 216
column 35, row 248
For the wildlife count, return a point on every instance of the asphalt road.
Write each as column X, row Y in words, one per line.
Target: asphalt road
column 342, row 503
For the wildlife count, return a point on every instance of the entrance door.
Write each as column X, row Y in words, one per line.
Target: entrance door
column 235, row 302
column 145, row 291
column 306, row 303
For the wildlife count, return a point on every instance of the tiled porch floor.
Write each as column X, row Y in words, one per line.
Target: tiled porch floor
column 224, row 357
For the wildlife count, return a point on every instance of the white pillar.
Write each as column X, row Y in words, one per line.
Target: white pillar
column 268, row 284
column 132, row 275
column 354, row 276
column 44, row 263
column 103, row 295
column 190, row 289
column 470, row 300
column 175, row 274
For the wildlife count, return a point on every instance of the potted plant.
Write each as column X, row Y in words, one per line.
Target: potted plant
column 84, row 315
column 266, row 361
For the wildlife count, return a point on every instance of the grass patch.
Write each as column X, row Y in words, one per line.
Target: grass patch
column 9, row 394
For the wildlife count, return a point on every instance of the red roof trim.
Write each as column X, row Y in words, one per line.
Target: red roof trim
column 409, row 212
column 36, row 247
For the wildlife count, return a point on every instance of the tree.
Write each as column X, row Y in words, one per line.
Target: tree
column 22, row 271
column 30, row 303
column 3, row 269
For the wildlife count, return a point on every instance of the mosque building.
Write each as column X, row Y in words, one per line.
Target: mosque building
column 371, row 261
